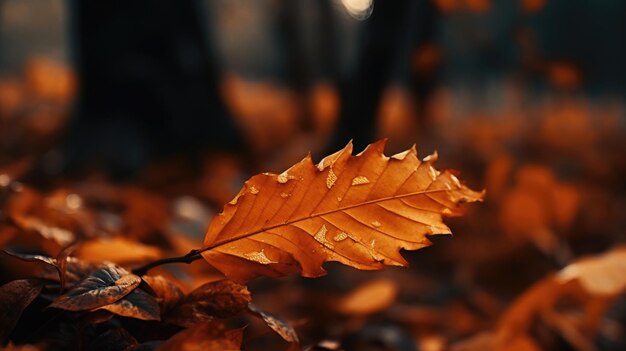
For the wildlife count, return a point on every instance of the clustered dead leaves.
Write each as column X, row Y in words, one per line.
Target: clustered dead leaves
column 77, row 297
column 369, row 205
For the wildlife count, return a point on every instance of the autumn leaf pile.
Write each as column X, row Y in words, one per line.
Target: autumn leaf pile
column 357, row 210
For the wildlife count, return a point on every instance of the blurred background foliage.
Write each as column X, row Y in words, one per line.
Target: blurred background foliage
column 161, row 109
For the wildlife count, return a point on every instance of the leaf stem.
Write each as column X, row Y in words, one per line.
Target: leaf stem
column 189, row 257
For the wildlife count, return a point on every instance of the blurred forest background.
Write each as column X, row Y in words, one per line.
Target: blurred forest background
column 161, row 109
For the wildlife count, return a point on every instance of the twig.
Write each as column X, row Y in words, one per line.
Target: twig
column 191, row 256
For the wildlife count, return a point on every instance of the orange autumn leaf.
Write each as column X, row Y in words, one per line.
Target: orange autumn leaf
column 600, row 275
column 369, row 298
column 358, row 210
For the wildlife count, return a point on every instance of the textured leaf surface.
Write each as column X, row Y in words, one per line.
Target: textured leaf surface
column 138, row 304
column 104, row 286
column 14, row 298
column 168, row 294
column 277, row 324
column 221, row 299
column 358, row 210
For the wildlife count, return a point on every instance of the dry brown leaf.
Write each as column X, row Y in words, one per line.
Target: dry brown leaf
column 168, row 294
column 219, row 299
column 104, row 286
column 205, row 336
column 599, row 275
column 74, row 270
column 358, row 210
column 14, row 298
column 371, row 297
column 60, row 264
column 138, row 304
column 281, row 327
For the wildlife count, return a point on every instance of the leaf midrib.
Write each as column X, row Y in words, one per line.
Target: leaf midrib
column 316, row 215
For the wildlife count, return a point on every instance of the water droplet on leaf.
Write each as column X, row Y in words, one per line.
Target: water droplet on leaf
column 360, row 180
column 331, row 178
column 258, row 256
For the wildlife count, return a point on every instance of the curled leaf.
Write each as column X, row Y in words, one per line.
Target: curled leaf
column 32, row 258
column 277, row 324
column 61, row 268
column 358, row 210
column 102, row 287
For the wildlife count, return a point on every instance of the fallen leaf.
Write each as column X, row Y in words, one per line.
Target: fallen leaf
column 138, row 304
column 65, row 268
column 14, row 298
column 369, row 298
column 62, row 263
column 204, row 336
column 168, row 294
column 280, row 326
column 75, row 270
column 219, row 299
column 32, row 258
column 104, row 286
column 61, row 236
column 117, row 249
column 600, row 275
column 327, row 216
